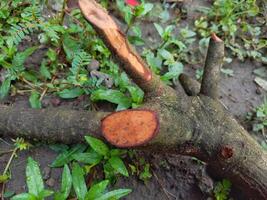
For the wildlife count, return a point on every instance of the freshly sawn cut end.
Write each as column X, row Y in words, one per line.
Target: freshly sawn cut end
column 130, row 128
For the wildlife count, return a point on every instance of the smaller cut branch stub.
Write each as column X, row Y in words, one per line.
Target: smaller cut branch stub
column 190, row 86
column 212, row 68
column 130, row 128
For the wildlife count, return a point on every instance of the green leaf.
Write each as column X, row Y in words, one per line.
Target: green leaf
column 71, row 93
column 97, row 145
column 59, row 148
column 66, row 156
column 70, row 46
column 115, row 194
column 118, row 165
column 9, row 194
column 109, row 172
column 166, row 55
column 136, row 93
column 5, row 87
column 128, row 16
column 52, row 55
column 78, row 181
column 228, row 72
column 34, row 178
column 145, row 174
column 44, row 71
column 4, row 178
column 159, row 29
column 96, row 190
column 66, row 182
column 21, row 57
column 118, row 152
column 59, row 196
column 113, row 96
column 262, row 72
column 24, row 196
column 147, row 8
column 135, row 40
column 186, row 33
column 45, row 193
column 35, row 100
column 154, row 62
column 174, row 71
column 92, row 158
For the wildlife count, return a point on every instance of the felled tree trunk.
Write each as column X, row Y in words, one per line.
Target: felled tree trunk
column 169, row 121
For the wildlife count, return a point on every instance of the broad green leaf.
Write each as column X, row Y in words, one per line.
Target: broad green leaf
column 45, row 193
column 8, row 194
column 174, row 71
column 187, row 33
column 165, row 15
column 128, row 16
column 59, row 148
column 3, row 178
column 118, row 165
column 155, row 63
column 136, row 93
column 147, row 8
column 78, row 181
column 137, row 31
column 97, row 145
column 118, row 152
column 92, row 158
column 115, row 194
column 5, row 87
column 113, row 96
column 66, row 182
column 96, row 190
column 34, row 178
column 71, row 93
column 109, row 172
column 159, row 29
column 66, row 156
column 166, row 55
column 29, row 76
column 139, row 10
column 59, row 196
column 35, row 100
column 135, row 40
column 24, row 196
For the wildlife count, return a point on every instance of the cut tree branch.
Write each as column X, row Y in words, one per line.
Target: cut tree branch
column 49, row 125
column 118, row 43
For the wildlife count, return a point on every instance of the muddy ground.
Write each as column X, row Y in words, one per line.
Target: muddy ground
column 174, row 177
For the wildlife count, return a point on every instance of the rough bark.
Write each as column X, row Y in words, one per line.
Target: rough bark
column 212, row 68
column 49, row 125
column 198, row 126
column 191, row 86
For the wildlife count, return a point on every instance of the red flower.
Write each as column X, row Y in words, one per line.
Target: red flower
column 132, row 2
